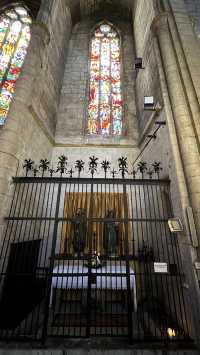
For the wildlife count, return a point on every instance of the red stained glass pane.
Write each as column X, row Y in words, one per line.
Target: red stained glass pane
column 105, row 94
column 14, row 41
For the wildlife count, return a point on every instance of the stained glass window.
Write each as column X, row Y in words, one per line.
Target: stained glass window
column 105, row 106
column 14, row 40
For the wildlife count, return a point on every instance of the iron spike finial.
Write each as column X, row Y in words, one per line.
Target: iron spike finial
column 71, row 171
column 51, row 171
column 62, row 164
column 105, row 165
column 134, row 172
column 93, row 165
column 79, row 165
column 44, row 165
column 28, row 165
column 150, row 173
column 157, row 167
column 123, row 166
column 142, row 167
column 113, row 173
column 35, row 171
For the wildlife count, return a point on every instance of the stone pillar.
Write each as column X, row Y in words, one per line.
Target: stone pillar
column 186, row 157
column 11, row 140
column 188, row 252
column 181, row 113
column 187, row 39
column 185, row 43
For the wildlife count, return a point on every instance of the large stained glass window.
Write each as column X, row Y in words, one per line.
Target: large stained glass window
column 14, row 40
column 105, row 106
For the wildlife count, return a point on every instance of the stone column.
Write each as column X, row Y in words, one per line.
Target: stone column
column 11, row 140
column 188, row 252
column 181, row 113
column 185, row 43
column 187, row 39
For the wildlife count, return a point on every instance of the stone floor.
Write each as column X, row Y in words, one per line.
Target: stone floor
column 96, row 346
column 98, row 352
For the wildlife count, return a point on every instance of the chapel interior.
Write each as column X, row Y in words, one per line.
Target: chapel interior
column 100, row 170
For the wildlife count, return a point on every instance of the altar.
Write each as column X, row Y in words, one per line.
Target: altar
column 109, row 277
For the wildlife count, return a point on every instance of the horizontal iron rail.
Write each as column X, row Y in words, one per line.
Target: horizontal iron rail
column 81, row 274
column 19, row 180
column 88, row 257
column 95, row 272
column 87, row 219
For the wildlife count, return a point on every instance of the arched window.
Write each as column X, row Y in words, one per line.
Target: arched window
column 105, row 106
column 14, row 40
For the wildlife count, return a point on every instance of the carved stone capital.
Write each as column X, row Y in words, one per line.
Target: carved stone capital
column 160, row 23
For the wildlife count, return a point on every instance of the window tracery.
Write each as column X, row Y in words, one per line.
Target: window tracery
column 105, row 108
column 14, row 40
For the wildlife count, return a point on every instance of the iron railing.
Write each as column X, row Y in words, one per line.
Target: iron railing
column 78, row 257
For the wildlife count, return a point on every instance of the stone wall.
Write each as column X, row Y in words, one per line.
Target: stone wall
column 30, row 127
column 193, row 7
column 73, row 104
column 147, row 81
column 84, row 152
column 169, row 144
column 46, row 92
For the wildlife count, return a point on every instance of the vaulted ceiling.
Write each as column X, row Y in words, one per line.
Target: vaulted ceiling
column 84, row 8
column 80, row 8
column 88, row 7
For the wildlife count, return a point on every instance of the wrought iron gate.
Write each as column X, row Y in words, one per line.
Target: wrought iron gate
column 78, row 259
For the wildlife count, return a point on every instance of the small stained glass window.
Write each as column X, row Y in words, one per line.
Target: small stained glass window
column 105, row 108
column 14, row 40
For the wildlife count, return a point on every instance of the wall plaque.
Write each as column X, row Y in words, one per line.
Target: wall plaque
column 160, row 268
column 175, row 225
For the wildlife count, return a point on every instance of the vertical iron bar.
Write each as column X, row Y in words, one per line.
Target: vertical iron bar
column 167, row 276
column 8, row 223
column 176, row 257
column 89, row 264
column 44, row 248
column 130, row 320
column 49, row 279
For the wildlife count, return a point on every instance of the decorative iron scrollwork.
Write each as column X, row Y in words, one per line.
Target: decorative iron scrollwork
column 79, row 165
column 123, row 166
column 105, row 165
column 150, row 173
column 133, row 173
column 62, row 164
column 51, row 172
column 71, row 172
column 93, row 165
column 35, row 171
column 113, row 173
column 44, row 167
column 157, row 167
column 28, row 165
column 142, row 167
